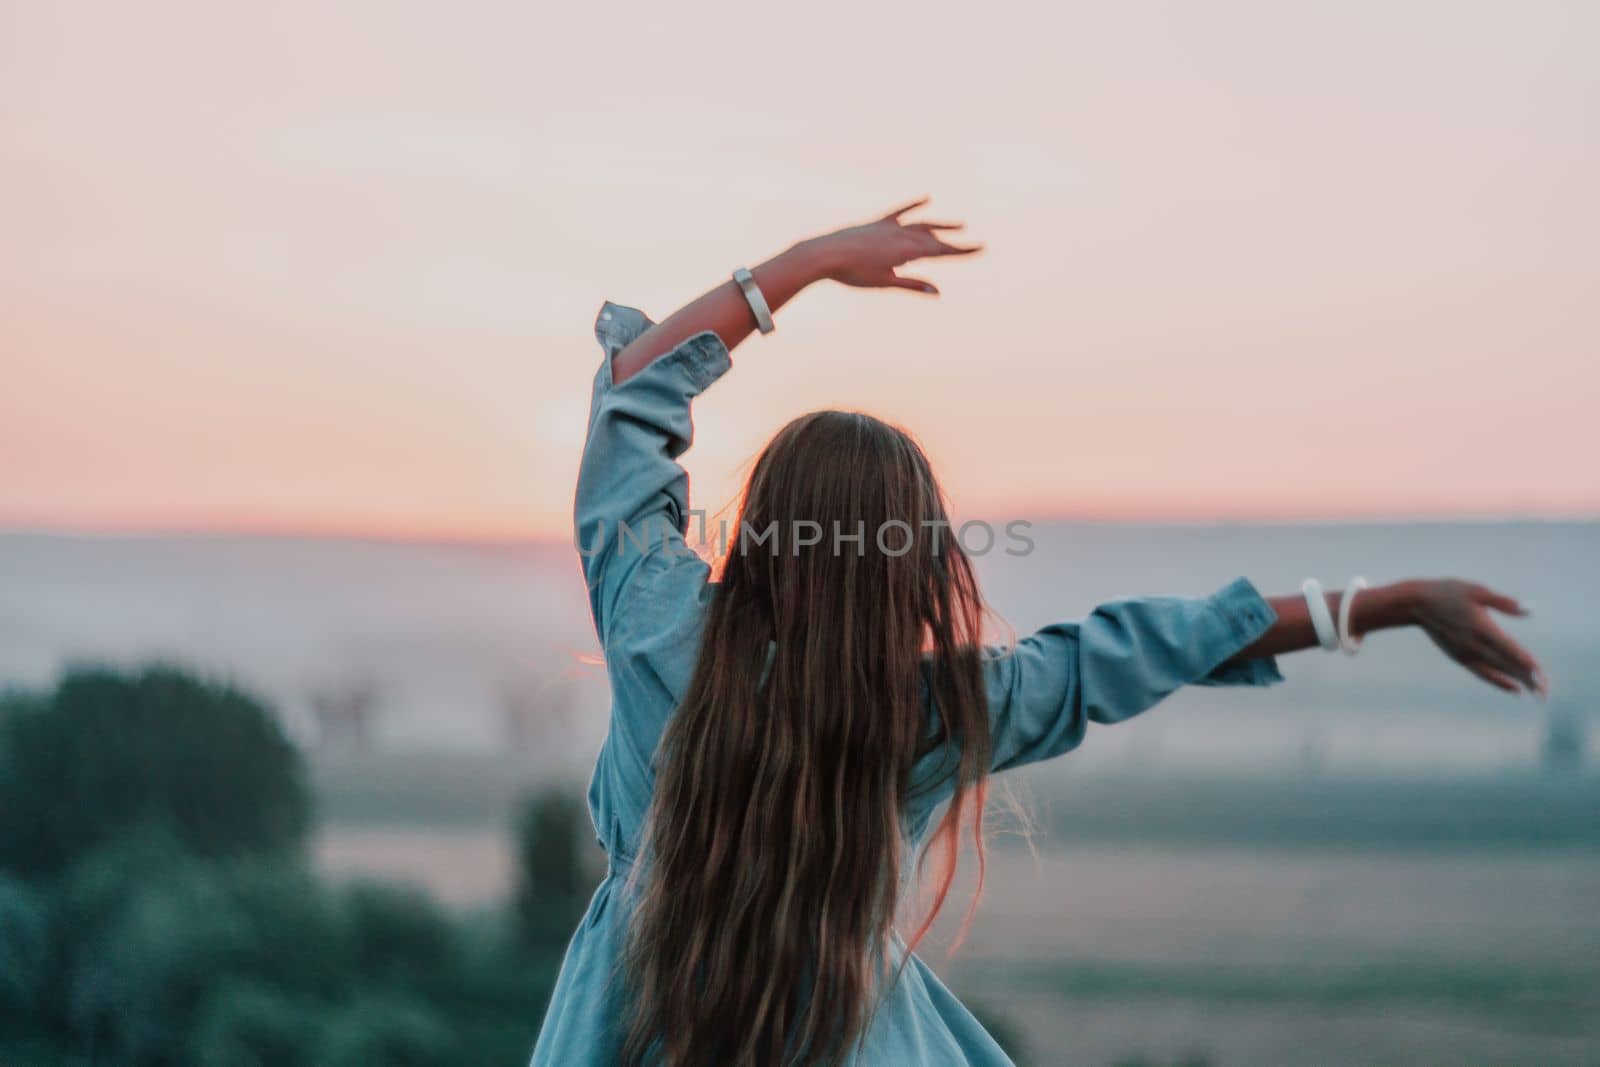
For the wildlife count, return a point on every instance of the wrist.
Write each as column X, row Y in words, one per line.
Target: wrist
column 815, row 259
column 786, row 274
column 1410, row 595
column 1387, row 606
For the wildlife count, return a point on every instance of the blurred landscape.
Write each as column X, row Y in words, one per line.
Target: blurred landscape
column 300, row 801
column 1382, row 861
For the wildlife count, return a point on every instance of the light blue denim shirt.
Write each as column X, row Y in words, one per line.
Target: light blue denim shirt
column 649, row 592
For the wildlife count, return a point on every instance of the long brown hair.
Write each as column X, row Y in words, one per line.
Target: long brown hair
column 772, row 862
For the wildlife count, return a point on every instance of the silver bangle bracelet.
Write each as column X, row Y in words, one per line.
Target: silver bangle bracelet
column 1321, row 617
column 1348, row 641
column 756, row 299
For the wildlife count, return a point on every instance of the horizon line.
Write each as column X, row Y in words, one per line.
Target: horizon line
column 313, row 532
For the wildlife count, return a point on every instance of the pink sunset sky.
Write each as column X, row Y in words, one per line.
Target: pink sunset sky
column 334, row 267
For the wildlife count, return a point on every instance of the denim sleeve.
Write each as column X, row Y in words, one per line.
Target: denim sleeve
column 1124, row 658
column 632, row 502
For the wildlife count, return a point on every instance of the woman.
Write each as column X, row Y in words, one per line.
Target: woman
column 780, row 738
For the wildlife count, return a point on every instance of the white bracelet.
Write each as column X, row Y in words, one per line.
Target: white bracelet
column 756, row 299
column 1348, row 641
column 1321, row 617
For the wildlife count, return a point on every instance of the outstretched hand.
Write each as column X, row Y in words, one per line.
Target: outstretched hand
column 1455, row 614
column 867, row 256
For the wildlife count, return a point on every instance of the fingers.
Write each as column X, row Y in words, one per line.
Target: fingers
column 1500, row 649
column 1511, row 658
column 1487, row 655
column 1527, row 668
column 915, row 284
column 1498, row 679
column 1498, row 601
column 927, row 229
column 930, row 244
column 1488, row 648
column 1507, row 667
column 894, row 216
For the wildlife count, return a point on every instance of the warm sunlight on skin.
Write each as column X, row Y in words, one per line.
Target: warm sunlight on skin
column 335, row 268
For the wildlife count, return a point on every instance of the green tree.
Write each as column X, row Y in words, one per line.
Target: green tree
column 553, row 885
column 108, row 751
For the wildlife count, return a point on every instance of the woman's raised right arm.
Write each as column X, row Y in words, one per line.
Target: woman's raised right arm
column 864, row 256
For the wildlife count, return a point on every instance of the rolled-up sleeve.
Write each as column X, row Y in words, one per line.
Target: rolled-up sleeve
column 632, row 498
column 1123, row 659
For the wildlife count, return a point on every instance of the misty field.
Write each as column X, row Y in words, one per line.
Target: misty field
column 1224, row 922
